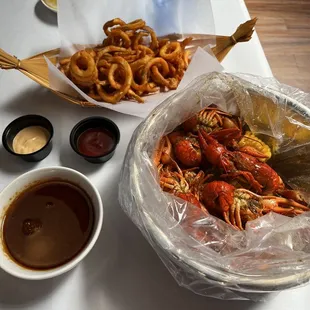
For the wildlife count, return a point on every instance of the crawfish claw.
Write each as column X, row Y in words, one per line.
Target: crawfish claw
column 253, row 152
column 225, row 136
column 249, row 178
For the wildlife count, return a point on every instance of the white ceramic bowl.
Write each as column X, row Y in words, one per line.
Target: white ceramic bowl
column 6, row 263
column 49, row 6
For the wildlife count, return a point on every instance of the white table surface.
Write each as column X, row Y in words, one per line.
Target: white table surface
column 122, row 271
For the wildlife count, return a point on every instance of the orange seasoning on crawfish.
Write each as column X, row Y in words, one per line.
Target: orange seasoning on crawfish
column 95, row 142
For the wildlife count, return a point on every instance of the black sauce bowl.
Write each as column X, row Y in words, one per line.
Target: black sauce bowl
column 94, row 122
column 26, row 121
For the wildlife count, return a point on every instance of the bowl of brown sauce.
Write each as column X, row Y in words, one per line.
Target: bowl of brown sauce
column 50, row 220
column 95, row 139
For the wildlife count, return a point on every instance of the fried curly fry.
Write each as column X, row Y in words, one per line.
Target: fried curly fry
column 112, row 23
column 109, row 49
column 131, row 62
column 65, row 69
column 171, row 83
column 162, row 42
column 134, row 25
column 145, row 50
column 83, row 70
column 103, row 63
column 137, row 39
column 132, row 94
column 92, row 94
column 154, row 41
column 186, row 42
column 111, row 79
column 186, row 58
column 155, row 62
column 126, row 42
column 120, row 93
column 64, row 61
column 91, row 52
column 170, row 51
column 138, row 64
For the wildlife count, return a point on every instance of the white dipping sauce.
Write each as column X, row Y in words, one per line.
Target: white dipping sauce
column 30, row 140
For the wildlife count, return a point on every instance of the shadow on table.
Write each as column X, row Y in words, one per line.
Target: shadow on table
column 16, row 293
column 44, row 14
column 11, row 164
column 35, row 100
column 125, row 273
column 39, row 100
column 68, row 158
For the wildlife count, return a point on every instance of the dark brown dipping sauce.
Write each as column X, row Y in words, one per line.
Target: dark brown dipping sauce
column 95, row 142
column 48, row 224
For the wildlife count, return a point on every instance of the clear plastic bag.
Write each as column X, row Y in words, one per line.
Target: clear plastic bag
column 203, row 253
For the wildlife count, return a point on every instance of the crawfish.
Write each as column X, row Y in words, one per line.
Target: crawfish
column 231, row 135
column 261, row 177
column 238, row 206
column 163, row 153
column 187, row 151
column 232, row 138
column 210, row 118
column 225, row 128
column 186, row 148
column 175, row 183
column 196, row 180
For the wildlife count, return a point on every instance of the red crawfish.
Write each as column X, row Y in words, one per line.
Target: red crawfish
column 222, row 126
column 238, row 206
column 259, row 175
column 186, row 148
column 175, row 183
column 210, row 119
column 163, row 153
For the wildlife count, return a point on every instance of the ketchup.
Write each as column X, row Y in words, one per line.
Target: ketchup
column 95, row 142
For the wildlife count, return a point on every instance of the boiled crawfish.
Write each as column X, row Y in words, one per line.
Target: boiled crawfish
column 210, row 119
column 187, row 151
column 185, row 148
column 185, row 186
column 238, row 206
column 222, row 126
column 227, row 129
column 178, row 145
column 163, row 153
column 260, row 176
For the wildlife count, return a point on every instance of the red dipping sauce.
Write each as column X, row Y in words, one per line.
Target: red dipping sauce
column 95, row 142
